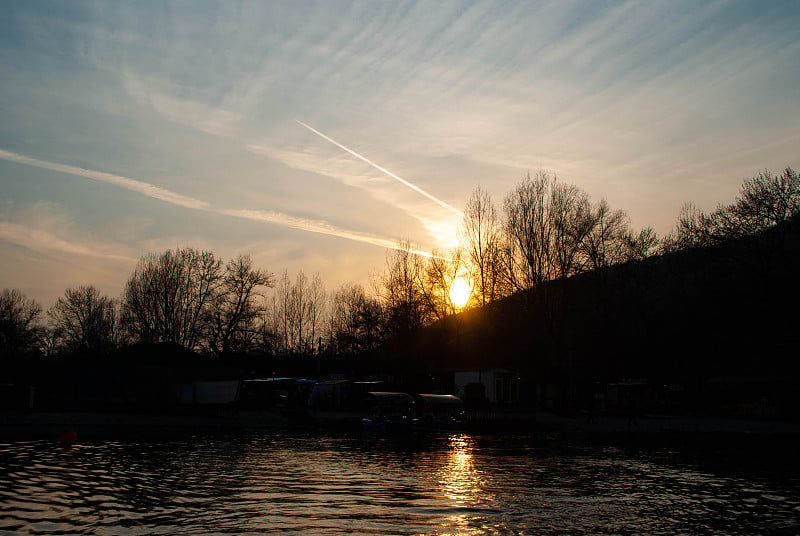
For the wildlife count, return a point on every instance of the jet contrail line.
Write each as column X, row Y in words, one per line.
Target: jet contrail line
column 383, row 170
column 173, row 198
column 320, row 227
column 144, row 188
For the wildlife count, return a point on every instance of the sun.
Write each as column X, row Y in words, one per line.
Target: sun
column 460, row 291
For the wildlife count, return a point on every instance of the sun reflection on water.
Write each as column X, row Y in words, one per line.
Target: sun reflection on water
column 464, row 487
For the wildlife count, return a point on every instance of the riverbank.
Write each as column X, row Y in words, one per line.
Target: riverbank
column 93, row 424
column 88, row 424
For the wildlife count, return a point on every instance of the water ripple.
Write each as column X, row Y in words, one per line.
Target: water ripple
column 307, row 484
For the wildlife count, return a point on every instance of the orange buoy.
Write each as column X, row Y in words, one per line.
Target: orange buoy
column 68, row 437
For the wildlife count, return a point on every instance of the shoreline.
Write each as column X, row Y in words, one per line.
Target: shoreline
column 16, row 425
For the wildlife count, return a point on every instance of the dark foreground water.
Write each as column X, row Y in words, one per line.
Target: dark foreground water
column 317, row 484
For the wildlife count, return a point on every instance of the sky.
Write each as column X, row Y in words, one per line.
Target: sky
column 316, row 136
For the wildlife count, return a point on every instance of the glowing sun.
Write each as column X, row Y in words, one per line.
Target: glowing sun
column 460, row 291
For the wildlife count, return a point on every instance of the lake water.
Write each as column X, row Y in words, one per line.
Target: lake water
column 306, row 483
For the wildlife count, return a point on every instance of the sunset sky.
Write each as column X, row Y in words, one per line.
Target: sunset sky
column 315, row 135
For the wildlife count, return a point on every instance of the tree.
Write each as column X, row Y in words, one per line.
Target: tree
column 19, row 332
column 766, row 201
column 571, row 219
column 528, row 233
column 295, row 313
column 605, row 243
column 315, row 309
column 283, row 315
column 481, row 236
column 166, row 299
column 356, row 321
column 546, row 227
column 399, row 287
column 84, row 321
column 237, row 307
column 439, row 271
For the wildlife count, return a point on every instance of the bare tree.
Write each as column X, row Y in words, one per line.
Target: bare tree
column 439, row 272
column 546, row 227
column 571, row 219
column 528, row 233
column 764, row 202
column 84, row 321
column 315, row 310
column 642, row 245
column 605, row 243
column 356, row 321
column 481, row 237
column 399, row 286
column 237, row 307
column 300, row 309
column 296, row 312
column 284, row 315
column 19, row 331
column 166, row 299
column 767, row 201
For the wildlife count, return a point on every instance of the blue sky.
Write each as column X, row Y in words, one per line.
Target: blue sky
column 312, row 135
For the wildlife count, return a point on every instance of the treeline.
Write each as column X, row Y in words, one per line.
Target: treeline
column 546, row 232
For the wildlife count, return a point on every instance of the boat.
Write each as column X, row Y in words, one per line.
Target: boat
column 389, row 412
column 436, row 412
column 345, row 403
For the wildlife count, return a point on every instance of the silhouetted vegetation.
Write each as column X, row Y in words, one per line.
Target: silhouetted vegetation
column 564, row 291
column 20, row 335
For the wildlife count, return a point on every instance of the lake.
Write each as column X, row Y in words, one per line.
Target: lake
column 312, row 483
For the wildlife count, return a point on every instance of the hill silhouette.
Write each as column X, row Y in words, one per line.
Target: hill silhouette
column 725, row 314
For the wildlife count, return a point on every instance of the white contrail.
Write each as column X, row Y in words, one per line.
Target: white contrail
column 156, row 192
column 383, row 170
column 145, row 188
column 316, row 226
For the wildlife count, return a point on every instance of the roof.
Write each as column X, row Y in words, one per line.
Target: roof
column 440, row 399
column 386, row 397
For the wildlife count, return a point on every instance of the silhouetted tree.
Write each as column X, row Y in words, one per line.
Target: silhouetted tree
column 315, row 311
column 399, row 287
column 438, row 273
column 764, row 202
column 606, row 242
column 547, row 226
column 356, row 321
column 237, row 307
column 295, row 313
column 19, row 332
column 84, row 321
column 481, row 240
column 283, row 315
column 167, row 297
column 528, row 233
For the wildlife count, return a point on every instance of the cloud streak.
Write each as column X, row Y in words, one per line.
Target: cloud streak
column 144, row 188
column 383, row 170
column 43, row 241
column 319, row 227
column 12, row 233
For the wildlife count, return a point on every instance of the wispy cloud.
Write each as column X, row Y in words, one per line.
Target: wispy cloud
column 151, row 190
column 439, row 223
column 44, row 241
column 144, row 188
column 648, row 104
column 315, row 226
column 195, row 113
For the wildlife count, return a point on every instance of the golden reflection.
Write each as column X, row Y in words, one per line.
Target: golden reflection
column 462, row 485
